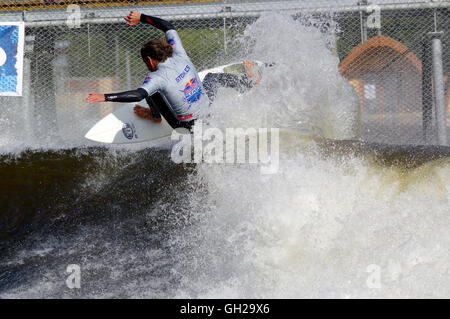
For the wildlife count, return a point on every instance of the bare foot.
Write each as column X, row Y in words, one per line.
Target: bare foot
column 146, row 113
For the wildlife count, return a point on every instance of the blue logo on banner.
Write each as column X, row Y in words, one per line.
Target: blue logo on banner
column 9, row 37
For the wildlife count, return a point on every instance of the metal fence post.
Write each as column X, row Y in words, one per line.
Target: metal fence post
column 438, row 86
column 128, row 68
column 44, row 82
column 27, row 85
column 427, row 92
column 117, row 56
column 225, row 9
column 224, row 36
column 27, row 103
column 363, row 19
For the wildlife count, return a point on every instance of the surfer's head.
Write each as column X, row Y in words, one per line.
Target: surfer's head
column 155, row 51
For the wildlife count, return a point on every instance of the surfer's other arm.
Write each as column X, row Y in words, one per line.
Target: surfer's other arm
column 127, row 96
column 172, row 37
column 135, row 17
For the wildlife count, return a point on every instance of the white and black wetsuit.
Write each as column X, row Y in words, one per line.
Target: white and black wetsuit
column 174, row 89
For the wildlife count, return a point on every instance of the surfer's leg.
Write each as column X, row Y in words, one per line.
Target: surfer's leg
column 153, row 107
column 161, row 107
column 157, row 102
column 213, row 81
column 187, row 125
column 151, row 114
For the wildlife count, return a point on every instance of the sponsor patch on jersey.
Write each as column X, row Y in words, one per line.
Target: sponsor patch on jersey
column 171, row 42
column 192, row 90
column 183, row 74
column 147, row 79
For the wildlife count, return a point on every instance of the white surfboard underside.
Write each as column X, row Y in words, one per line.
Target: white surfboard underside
column 124, row 127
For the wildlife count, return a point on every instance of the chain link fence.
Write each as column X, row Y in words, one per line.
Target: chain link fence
column 76, row 47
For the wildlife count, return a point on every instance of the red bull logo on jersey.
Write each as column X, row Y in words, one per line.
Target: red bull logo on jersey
column 192, row 90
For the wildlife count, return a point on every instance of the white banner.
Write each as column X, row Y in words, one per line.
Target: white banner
column 12, row 35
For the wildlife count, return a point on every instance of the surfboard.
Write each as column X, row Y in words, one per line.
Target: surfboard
column 124, row 127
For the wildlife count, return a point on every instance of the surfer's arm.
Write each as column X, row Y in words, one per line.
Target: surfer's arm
column 151, row 85
column 127, row 96
column 134, row 17
column 158, row 23
column 172, row 36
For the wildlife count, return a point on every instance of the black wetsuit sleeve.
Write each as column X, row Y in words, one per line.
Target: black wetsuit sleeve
column 158, row 23
column 128, row 96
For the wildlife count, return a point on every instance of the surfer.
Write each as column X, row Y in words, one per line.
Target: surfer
column 172, row 88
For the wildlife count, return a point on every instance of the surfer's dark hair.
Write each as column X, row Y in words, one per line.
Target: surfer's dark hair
column 157, row 49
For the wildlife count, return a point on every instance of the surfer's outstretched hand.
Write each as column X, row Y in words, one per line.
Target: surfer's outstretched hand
column 95, row 97
column 133, row 17
column 145, row 113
